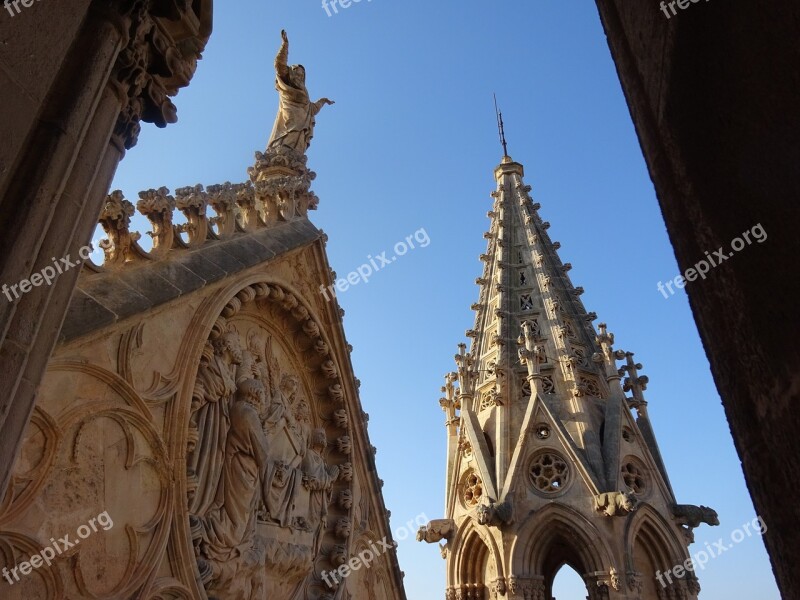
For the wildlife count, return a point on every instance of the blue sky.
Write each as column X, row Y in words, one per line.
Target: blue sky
column 411, row 143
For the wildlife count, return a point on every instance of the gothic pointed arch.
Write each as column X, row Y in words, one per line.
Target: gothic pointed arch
column 477, row 564
column 652, row 549
column 558, row 535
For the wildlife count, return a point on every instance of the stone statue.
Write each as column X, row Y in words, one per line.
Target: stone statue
column 494, row 514
column 691, row 515
column 294, row 125
column 436, row 531
column 616, row 504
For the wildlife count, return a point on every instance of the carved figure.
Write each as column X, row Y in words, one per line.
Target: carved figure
column 615, row 580
column 691, row 515
column 230, row 523
column 211, row 399
column 494, row 514
column 300, row 425
column 616, row 504
column 436, row 531
column 318, row 478
column 294, row 125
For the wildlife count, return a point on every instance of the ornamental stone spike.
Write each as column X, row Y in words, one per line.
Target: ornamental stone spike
column 529, row 356
column 608, row 356
column 449, row 402
column 465, row 373
column 116, row 221
column 222, row 198
column 635, row 383
column 192, row 201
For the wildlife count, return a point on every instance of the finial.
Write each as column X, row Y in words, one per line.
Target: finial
column 465, row 372
column 529, row 354
column 635, row 383
column 501, row 128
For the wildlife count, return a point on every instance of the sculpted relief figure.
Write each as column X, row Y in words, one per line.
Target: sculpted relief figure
column 294, row 125
column 288, row 424
column 261, row 488
column 211, row 399
column 230, row 524
column 318, row 478
column 254, row 362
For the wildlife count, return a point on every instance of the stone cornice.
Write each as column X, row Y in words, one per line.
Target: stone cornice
column 108, row 297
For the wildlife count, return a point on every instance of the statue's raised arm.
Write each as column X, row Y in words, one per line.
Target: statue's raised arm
column 282, row 58
column 294, row 125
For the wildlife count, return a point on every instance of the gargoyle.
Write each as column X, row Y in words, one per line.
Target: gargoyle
column 615, row 504
column 436, row 531
column 494, row 514
column 691, row 515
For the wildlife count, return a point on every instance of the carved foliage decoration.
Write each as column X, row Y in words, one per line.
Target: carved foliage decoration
column 267, row 462
column 152, row 67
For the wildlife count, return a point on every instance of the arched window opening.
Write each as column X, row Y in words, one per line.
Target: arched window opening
column 568, row 585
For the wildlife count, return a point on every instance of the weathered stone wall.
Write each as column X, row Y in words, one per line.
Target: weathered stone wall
column 220, row 432
column 713, row 92
column 76, row 80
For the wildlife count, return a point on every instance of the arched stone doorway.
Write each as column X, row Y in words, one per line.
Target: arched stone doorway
column 552, row 538
column 475, row 568
column 653, row 552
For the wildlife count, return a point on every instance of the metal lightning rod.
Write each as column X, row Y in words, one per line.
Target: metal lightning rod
column 501, row 127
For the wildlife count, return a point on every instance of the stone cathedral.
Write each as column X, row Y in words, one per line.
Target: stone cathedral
column 546, row 464
column 199, row 433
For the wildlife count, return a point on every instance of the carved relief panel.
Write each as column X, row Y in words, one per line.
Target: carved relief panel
column 268, row 452
column 231, row 475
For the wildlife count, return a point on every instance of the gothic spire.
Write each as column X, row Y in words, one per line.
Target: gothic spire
column 544, row 453
column 535, row 357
